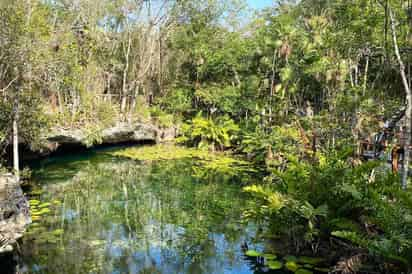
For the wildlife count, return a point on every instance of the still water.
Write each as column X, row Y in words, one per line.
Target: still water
column 95, row 213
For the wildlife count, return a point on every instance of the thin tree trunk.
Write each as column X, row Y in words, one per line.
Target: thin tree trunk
column 272, row 84
column 386, row 30
column 237, row 78
column 408, row 113
column 16, row 136
column 107, row 96
column 350, row 74
column 125, row 71
column 160, row 66
column 365, row 77
column 356, row 73
column 133, row 103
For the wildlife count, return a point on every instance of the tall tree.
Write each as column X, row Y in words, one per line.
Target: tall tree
column 408, row 114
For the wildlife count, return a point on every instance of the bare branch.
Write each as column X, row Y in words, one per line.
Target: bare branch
column 9, row 84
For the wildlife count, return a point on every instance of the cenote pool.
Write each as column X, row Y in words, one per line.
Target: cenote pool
column 96, row 213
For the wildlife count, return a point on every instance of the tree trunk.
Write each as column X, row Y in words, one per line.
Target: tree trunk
column 408, row 113
column 365, row 77
column 125, row 71
column 108, row 87
column 16, row 136
column 59, row 96
column 133, row 103
column 272, row 87
column 160, row 66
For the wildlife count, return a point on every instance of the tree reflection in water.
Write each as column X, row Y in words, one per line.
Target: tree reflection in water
column 110, row 215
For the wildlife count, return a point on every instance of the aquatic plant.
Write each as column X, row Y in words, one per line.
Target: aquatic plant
column 162, row 152
column 205, row 162
column 303, row 264
column 41, row 213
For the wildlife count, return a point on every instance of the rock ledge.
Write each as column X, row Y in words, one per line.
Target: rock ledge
column 14, row 212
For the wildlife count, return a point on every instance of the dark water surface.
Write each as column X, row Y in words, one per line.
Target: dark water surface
column 95, row 213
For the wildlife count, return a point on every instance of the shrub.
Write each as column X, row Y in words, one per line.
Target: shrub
column 206, row 132
column 363, row 205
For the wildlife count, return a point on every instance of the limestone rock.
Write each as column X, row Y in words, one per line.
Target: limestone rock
column 119, row 133
column 14, row 212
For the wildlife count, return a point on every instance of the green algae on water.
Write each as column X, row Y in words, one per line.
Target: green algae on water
column 161, row 152
column 208, row 161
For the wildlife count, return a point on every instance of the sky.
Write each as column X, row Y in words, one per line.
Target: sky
column 259, row 4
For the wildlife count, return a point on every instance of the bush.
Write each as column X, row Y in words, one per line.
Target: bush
column 363, row 205
column 205, row 132
column 161, row 118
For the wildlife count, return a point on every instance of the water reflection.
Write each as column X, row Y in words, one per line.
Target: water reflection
column 107, row 215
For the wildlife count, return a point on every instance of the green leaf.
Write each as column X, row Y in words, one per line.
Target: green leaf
column 34, row 202
column 253, row 253
column 58, row 232
column 292, row 266
column 43, row 205
column 303, row 271
column 275, row 265
column 351, row 189
column 269, row 256
column 351, row 236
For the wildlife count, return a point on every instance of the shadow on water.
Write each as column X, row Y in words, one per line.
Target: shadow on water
column 94, row 213
column 9, row 264
column 69, row 160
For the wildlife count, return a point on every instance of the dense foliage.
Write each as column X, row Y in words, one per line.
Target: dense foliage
column 295, row 88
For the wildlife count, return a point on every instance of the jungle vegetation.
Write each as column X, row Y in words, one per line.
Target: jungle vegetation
column 295, row 88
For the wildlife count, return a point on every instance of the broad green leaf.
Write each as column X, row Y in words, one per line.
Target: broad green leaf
column 253, row 253
column 275, row 265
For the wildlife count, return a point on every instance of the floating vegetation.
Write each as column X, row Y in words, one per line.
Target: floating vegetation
column 292, row 266
column 226, row 164
column 275, row 265
column 162, row 152
column 58, row 232
column 253, row 253
column 41, row 212
column 44, row 205
column 269, row 256
column 34, row 203
column 299, row 265
column 206, row 161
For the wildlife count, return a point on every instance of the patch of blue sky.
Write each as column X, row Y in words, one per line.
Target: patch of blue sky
column 260, row 4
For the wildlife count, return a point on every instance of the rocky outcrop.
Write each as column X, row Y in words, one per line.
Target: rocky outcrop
column 120, row 133
column 14, row 212
column 72, row 139
column 125, row 133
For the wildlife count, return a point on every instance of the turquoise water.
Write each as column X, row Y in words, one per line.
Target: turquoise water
column 94, row 213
